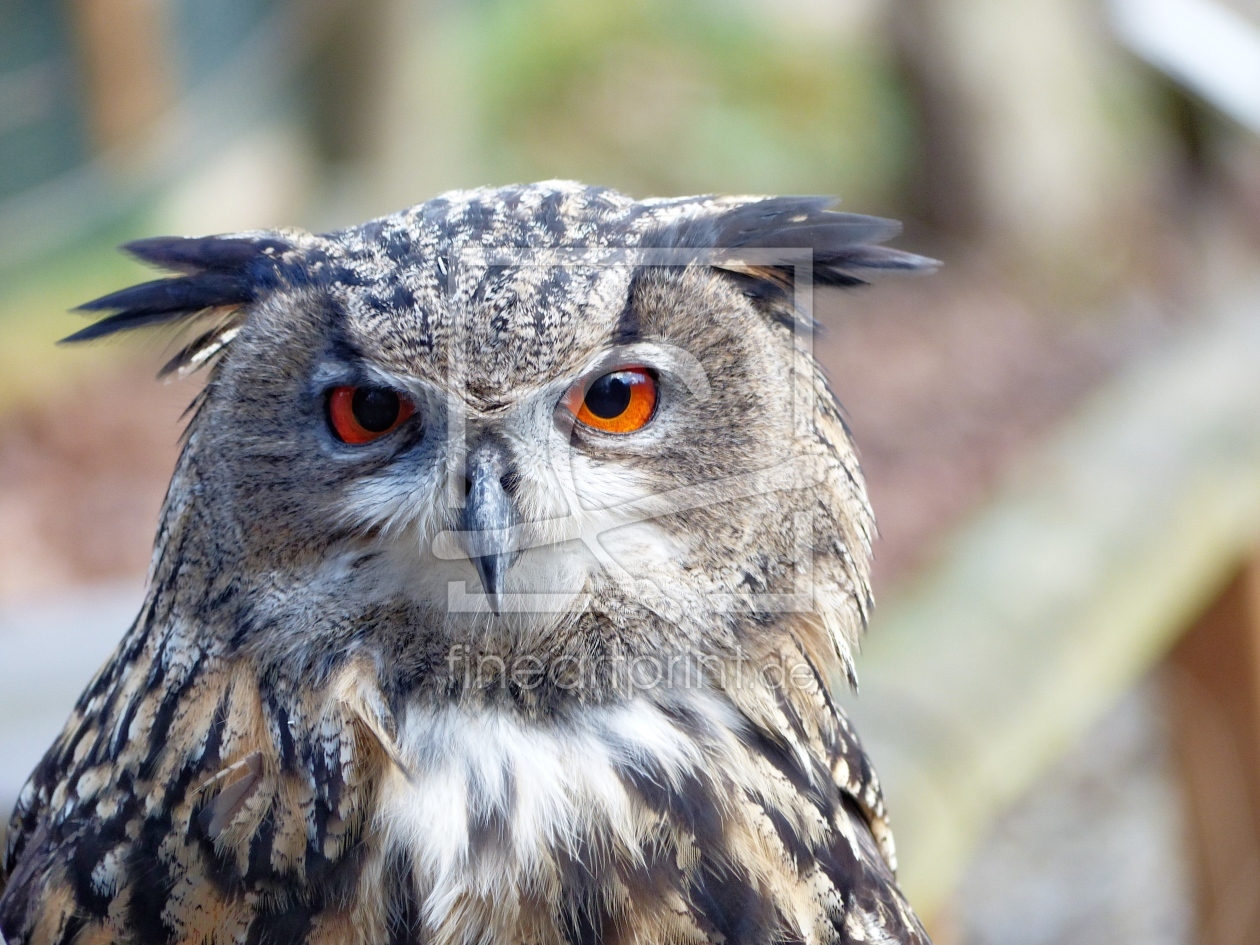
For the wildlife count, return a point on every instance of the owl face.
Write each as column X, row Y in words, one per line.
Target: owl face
column 569, row 462
column 530, row 413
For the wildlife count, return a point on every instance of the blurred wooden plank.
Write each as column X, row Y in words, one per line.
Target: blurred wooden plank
column 1204, row 45
column 127, row 60
column 1074, row 581
column 1215, row 681
column 1018, row 142
column 49, row 651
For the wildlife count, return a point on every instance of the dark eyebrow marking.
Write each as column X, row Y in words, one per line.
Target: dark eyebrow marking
column 629, row 325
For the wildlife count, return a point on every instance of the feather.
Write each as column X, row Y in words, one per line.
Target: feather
column 844, row 244
column 735, row 226
column 828, row 232
column 199, row 254
column 224, row 325
column 240, row 782
column 219, row 272
column 183, row 293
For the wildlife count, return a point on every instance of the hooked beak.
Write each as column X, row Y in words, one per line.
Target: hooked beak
column 489, row 516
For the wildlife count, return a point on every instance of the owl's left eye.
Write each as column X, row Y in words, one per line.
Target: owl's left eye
column 362, row 414
column 621, row 401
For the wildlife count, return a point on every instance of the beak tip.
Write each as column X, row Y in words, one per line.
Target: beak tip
column 490, row 569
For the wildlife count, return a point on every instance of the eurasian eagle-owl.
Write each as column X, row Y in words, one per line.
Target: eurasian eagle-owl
column 514, row 549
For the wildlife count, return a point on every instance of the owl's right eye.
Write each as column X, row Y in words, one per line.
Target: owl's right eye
column 362, row 414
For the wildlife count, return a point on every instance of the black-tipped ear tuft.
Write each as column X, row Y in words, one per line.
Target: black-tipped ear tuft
column 844, row 244
column 200, row 254
column 738, row 225
column 220, row 272
column 181, row 294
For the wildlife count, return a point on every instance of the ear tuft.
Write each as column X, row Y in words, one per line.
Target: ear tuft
column 844, row 244
column 221, row 274
column 206, row 253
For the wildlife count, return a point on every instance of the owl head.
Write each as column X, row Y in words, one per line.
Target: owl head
column 546, row 421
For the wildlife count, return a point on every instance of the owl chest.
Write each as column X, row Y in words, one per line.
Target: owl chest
column 494, row 812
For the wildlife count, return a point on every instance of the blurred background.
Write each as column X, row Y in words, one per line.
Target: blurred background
column 1061, row 429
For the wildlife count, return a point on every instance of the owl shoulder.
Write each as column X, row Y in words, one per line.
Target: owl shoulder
column 187, row 786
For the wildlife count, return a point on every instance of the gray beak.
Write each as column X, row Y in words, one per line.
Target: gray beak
column 489, row 516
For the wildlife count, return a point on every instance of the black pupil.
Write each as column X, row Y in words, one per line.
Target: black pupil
column 609, row 396
column 376, row 408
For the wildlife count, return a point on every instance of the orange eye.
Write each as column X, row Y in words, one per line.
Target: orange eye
column 618, row 402
column 362, row 414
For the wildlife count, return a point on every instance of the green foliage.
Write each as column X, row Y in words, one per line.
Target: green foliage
column 36, row 304
column 678, row 97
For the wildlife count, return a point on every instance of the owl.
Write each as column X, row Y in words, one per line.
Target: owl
column 515, row 549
